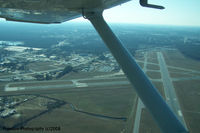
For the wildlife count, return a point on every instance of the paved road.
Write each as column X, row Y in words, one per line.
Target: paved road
column 169, row 90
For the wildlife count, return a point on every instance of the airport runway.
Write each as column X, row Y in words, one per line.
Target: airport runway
column 169, row 90
column 76, row 83
column 140, row 105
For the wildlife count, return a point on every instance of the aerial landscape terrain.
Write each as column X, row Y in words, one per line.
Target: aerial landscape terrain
column 62, row 78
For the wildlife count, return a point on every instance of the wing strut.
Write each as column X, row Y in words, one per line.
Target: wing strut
column 163, row 115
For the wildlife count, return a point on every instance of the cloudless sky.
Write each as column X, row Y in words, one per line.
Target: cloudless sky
column 176, row 12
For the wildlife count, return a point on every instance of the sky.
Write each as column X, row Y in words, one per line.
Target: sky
column 176, row 12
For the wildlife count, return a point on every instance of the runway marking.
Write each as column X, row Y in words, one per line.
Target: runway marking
column 175, row 99
column 14, row 88
column 77, row 84
column 180, row 113
column 167, row 99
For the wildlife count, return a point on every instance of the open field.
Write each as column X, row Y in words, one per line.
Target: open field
column 147, row 124
column 74, row 75
column 180, row 75
column 153, row 60
column 175, row 58
column 153, row 67
column 104, row 80
column 110, row 102
column 188, row 93
column 176, row 70
column 103, row 102
column 153, row 75
column 41, row 66
column 152, row 54
column 74, row 122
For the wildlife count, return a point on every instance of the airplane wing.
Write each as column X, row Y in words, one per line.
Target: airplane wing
column 50, row 11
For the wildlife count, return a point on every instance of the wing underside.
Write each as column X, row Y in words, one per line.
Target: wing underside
column 50, row 11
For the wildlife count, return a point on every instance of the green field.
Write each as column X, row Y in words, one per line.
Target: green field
column 188, row 93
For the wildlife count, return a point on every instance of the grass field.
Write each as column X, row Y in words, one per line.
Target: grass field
column 153, row 67
column 175, row 58
column 111, row 101
column 179, row 75
column 147, row 124
column 79, row 75
column 188, row 93
column 153, row 60
column 74, row 122
column 104, row 80
column 154, row 75
column 41, row 66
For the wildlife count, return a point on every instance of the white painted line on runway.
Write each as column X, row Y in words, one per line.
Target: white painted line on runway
column 77, row 84
column 180, row 113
